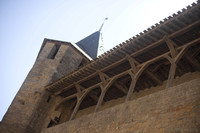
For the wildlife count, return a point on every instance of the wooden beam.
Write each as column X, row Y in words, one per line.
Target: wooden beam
column 181, row 31
column 147, row 62
column 131, row 89
column 65, row 99
column 103, row 91
column 103, row 77
column 132, row 63
column 157, row 80
column 171, row 75
column 176, row 56
column 75, row 110
column 171, row 45
column 80, row 98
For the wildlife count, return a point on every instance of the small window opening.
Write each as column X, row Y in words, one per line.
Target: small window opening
column 53, row 52
column 49, row 98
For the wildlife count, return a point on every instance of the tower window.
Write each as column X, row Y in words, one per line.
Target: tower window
column 53, row 52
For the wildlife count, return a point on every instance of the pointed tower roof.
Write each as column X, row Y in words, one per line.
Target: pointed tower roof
column 90, row 44
column 93, row 44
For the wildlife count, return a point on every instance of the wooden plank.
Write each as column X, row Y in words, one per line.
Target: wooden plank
column 152, row 60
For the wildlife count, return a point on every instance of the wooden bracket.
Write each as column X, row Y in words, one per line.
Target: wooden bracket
column 132, row 63
column 176, row 56
column 104, row 89
column 171, row 45
column 104, row 78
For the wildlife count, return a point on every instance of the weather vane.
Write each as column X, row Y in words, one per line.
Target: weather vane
column 103, row 23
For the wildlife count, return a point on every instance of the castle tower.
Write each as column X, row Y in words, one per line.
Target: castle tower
column 30, row 106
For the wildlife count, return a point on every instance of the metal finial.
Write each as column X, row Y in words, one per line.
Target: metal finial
column 103, row 23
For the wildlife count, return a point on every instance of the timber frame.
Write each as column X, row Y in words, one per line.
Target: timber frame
column 167, row 50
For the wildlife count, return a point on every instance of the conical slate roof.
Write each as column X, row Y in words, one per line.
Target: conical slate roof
column 90, row 44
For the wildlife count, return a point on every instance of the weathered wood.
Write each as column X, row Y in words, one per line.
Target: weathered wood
column 103, row 91
column 65, row 99
column 75, row 110
column 158, row 81
column 181, row 31
column 180, row 54
column 171, row 75
column 131, row 89
column 147, row 62
column 80, row 98
column 103, row 77
column 171, row 45
column 78, row 87
column 132, row 63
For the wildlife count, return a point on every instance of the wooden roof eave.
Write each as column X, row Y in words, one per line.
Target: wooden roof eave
column 101, row 60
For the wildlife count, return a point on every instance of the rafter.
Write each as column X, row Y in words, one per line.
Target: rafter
column 181, row 31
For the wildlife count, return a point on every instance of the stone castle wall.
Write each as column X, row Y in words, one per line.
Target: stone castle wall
column 30, row 106
column 178, row 80
column 167, row 110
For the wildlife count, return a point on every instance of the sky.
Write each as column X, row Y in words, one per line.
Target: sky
column 25, row 23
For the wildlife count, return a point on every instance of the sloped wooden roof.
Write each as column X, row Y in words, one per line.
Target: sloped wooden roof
column 182, row 27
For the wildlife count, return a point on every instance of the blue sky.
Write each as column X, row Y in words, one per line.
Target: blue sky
column 25, row 23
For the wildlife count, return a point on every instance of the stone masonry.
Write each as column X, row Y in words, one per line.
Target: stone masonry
column 176, row 109
column 30, row 106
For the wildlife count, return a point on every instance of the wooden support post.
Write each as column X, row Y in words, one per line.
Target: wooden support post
column 132, row 63
column 171, row 45
column 174, row 59
column 80, row 96
column 103, row 77
column 172, row 72
column 131, row 89
column 104, row 89
column 75, row 109
column 103, row 92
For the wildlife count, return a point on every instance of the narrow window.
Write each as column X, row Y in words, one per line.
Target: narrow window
column 49, row 98
column 53, row 52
